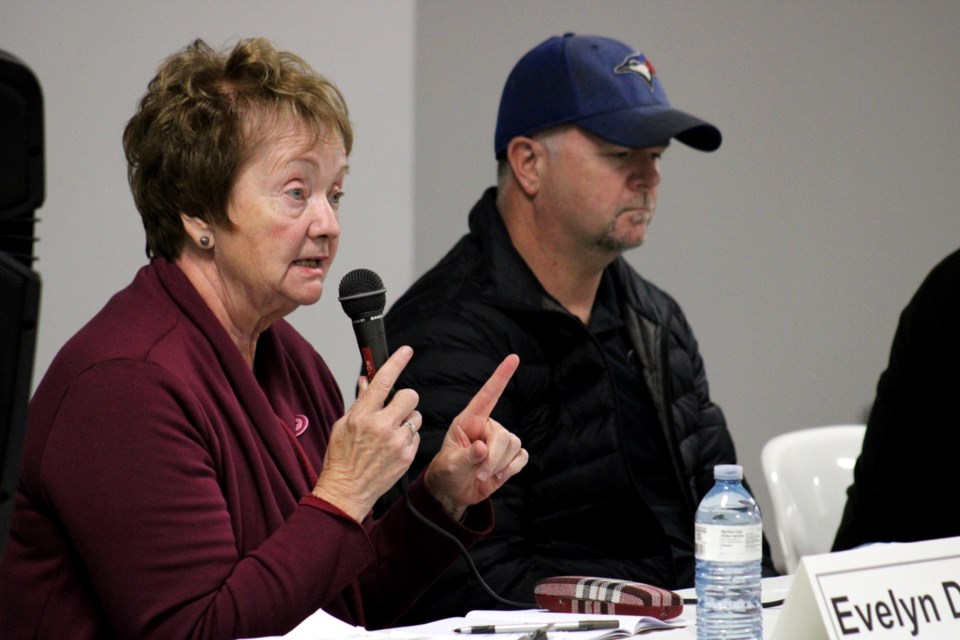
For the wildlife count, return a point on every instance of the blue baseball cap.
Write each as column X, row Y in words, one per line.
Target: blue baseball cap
column 602, row 86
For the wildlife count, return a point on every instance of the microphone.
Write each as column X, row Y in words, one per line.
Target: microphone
column 363, row 298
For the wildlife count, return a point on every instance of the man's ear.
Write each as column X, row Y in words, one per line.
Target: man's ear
column 199, row 231
column 524, row 156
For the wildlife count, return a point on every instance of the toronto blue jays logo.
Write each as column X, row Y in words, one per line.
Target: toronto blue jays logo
column 639, row 65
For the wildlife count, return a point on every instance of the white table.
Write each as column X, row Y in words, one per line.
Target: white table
column 773, row 589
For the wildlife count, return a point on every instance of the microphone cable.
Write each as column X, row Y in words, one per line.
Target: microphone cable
column 404, row 485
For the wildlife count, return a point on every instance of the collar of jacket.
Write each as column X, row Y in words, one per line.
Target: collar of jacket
column 509, row 282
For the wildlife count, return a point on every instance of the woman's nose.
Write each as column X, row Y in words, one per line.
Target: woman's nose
column 325, row 221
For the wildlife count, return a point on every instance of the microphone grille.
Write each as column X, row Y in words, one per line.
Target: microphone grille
column 362, row 294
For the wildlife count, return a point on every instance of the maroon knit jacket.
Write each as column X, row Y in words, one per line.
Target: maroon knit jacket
column 165, row 487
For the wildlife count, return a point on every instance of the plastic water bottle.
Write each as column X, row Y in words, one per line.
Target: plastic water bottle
column 729, row 548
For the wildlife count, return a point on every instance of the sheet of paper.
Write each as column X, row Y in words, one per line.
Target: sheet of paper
column 438, row 630
column 636, row 624
column 444, row 629
column 321, row 624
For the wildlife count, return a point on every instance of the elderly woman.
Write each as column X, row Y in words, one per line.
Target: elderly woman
column 190, row 471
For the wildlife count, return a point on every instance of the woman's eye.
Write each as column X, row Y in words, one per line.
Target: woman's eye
column 336, row 197
column 297, row 193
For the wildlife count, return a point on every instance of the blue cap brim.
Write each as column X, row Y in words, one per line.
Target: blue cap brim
column 645, row 127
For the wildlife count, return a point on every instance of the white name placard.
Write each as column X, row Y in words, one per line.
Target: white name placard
column 883, row 591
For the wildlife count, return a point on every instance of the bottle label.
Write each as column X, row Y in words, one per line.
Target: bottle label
column 719, row 543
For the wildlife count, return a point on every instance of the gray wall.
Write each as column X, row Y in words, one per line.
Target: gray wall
column 792, row 249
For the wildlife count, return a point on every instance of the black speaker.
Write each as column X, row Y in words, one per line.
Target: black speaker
column 21, row 193
column 21, row 157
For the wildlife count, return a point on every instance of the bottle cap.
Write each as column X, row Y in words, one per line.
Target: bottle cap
column 728, row 472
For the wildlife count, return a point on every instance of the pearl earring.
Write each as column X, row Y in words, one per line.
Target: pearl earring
column 204, row 241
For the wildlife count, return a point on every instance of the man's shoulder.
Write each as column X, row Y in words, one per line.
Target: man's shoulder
column 442, row 290
column 934, row 307
column 945, row 275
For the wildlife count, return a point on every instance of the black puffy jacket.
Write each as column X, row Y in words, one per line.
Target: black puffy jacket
column 575, row 508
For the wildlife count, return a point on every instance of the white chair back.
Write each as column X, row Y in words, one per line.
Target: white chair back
column 808, row 472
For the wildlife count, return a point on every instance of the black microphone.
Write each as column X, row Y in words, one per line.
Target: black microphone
column 363, row 298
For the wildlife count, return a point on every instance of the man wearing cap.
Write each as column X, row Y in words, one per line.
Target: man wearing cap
column 611, row 397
